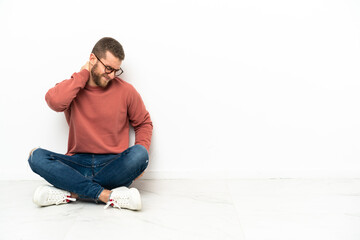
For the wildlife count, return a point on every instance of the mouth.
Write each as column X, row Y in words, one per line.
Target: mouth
column 106, row 79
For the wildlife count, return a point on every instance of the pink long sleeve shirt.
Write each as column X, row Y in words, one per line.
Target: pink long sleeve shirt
column 99, row 118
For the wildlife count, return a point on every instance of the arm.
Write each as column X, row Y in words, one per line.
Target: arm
column 60, row 97
column 140, row 119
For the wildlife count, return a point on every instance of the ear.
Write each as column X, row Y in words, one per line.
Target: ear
column 92, row 59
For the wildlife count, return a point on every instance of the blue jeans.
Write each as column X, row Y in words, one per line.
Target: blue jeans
column 89, row 174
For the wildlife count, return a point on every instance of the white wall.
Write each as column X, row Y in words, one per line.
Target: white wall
column 234, row 88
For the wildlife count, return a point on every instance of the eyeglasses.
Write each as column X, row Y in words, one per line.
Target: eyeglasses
column 109, row 69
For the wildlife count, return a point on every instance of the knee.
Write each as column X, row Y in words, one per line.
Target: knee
column 32, row 150
column 33, row 157
column 140, row 155
column 140, row 152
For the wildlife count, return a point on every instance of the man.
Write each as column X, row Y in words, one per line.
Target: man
column 98, row 107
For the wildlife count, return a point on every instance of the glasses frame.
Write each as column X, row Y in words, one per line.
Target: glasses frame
column 109, row 70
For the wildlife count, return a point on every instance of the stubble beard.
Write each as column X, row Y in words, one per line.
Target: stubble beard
column 97, row 77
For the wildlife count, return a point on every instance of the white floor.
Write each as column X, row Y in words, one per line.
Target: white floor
column 194, row 209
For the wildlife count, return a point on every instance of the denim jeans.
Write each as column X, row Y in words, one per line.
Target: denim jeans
column 89, row 174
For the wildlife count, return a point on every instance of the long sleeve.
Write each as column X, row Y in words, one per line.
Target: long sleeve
column 140, row 120
column 62, row 94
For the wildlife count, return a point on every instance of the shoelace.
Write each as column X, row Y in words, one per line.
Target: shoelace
column 65, row 199
column 58, row 197
column 112, row 203
column 117, row 201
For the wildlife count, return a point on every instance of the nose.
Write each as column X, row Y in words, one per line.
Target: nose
column 112, row 75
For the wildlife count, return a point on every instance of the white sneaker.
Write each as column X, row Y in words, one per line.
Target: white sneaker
column 48, row 195
column 123, row 197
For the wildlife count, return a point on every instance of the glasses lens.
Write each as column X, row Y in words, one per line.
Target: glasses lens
column 108, row 70
column 118, row 73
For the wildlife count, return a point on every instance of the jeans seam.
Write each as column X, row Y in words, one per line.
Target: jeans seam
column 64, row 159
column 103, row 167
column 109, row 161
column 73, row 169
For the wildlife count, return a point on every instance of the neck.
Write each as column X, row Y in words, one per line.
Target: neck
column 91, row 82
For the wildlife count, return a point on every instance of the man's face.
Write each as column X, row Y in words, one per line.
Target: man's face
column 98, row 74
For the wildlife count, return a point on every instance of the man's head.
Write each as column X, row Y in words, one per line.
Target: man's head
column 106, row 58
column 108, row 44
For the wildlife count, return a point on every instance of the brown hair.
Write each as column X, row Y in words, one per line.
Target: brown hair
column 108, row 44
